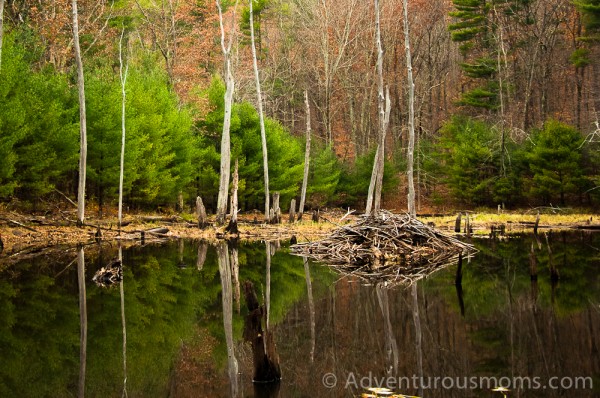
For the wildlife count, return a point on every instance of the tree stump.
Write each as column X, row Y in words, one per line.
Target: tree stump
column 201, row 213
column 232, row 228
column 293, row 211
column 275, row 210
column 458, row 223
column 315, row 216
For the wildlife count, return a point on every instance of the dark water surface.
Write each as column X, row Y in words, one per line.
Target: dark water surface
column 174, row 327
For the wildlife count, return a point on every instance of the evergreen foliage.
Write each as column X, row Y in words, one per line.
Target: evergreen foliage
column 590, row 10
column 555, row 161
column 470, row 161
column 38, row 135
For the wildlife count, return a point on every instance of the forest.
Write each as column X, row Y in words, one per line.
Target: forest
column 503, row 97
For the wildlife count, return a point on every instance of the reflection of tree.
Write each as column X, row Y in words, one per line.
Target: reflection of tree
column 202, row 251
column 391, row 346
column 235, row 273
column 227, row 298
column 418, row 335
column 311, row 309
column 82, row 320
column 122, row 295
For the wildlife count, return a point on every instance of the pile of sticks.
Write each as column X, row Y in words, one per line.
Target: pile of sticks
column 386, row 247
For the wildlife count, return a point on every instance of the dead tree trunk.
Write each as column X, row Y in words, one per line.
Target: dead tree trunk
column 412, row 211
column 293, row 211
column 82, row 119
column 381, row 159
column 123, row 79
column 201, row 213
column 225, row 138
column 306, row 158
column 375, row 187
column 263, row 134
column 232, row 228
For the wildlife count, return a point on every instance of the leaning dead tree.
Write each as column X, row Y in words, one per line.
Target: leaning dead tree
column 82, row 119
column 385, row 247
column 306, row 158
column 383, row 102
column 225, row 168
column 263, row 134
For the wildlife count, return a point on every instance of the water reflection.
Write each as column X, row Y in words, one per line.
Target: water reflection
column 311, row 309
column 124, row 323
column 227, row 299
column 177, row 332
column 82, row 320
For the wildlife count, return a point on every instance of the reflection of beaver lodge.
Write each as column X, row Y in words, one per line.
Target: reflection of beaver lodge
column 386, row 247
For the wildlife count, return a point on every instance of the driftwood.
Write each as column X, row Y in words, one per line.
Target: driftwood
column 387, row 247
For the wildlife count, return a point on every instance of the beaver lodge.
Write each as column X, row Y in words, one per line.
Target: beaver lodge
column 393, row 248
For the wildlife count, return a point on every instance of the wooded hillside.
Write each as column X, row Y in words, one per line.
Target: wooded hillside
column 507, row 101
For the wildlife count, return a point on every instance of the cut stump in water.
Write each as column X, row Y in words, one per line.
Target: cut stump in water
column 388, row 247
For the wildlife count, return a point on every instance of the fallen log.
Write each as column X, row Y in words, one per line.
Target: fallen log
column 18, row 224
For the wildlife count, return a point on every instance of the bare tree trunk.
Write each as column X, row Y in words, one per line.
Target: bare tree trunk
column 369, row 206
column 1, row 29
column 263, row 134
column 306, row 158
column 123, row 78
column 82, row 320
column 412, row 211
column 381, row 159
column 82, row 119
column 375, row 187
column 225, row 139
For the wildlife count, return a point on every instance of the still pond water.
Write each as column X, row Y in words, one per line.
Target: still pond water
column 174, row 326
